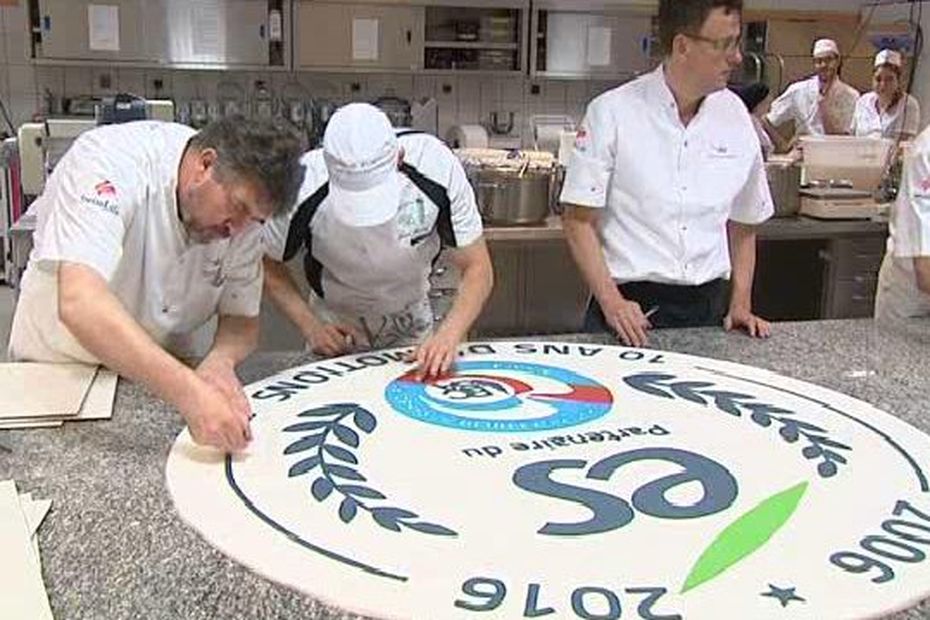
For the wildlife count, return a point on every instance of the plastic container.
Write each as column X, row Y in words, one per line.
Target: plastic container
column 861, row 162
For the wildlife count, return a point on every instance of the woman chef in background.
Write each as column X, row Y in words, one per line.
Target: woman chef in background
column 887, row 111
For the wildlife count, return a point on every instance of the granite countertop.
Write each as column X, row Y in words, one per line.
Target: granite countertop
column 112, row 546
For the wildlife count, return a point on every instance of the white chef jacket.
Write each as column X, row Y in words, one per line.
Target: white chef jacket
column 869, row 121
column 377, row 277
column 110, row 204
column 800, row 102
column 667, row 190
column 898, row 296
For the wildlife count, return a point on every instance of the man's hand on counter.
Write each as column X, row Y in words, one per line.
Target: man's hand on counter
column 626, row 318
column 741, row 318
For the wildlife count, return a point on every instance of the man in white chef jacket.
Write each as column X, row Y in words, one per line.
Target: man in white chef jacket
column 820, row 105
column 376, row 207
column 146, row 231
column 666, row 185
column 904, row 279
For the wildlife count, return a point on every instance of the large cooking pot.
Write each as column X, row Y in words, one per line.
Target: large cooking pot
column 508, row 198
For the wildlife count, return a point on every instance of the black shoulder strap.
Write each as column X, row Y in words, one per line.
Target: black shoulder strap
column 440, row 197
column 298, row 233
column 408, row 132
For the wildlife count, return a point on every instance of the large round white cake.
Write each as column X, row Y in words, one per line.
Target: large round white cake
column 568, row 480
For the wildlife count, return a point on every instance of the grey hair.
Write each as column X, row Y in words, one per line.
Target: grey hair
column 266, row 151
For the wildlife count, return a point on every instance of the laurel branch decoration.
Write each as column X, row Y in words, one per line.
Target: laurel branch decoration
column 819, row 446
column 328, row 435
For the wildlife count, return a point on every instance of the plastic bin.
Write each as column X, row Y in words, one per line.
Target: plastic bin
column 860, row 161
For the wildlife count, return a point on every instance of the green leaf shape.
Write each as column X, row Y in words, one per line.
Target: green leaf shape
column 745, row 536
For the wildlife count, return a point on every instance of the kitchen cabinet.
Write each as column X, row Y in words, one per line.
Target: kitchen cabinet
column 489, row 39
column 65, row 28
column 435, row 36
column 537, row 290
column 591, row 39
column 340, row 36
column 812, row 269
column 176, row 33
column 218, row 32
column 851, row 276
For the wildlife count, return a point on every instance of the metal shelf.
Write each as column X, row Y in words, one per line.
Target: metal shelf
column 471, row 45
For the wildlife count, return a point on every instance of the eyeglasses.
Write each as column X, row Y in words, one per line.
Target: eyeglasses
column 723, row 44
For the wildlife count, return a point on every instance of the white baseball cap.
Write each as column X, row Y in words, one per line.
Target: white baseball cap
column 825, row 47
column 360, row 150
column 888, row 57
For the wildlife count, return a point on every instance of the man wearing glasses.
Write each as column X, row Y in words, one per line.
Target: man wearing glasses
column 666, row 185
column 820, row 105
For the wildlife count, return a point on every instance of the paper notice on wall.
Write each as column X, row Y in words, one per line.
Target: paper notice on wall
column 208, row 30
column 103, row 27
column 598, row 46
column 365, row 39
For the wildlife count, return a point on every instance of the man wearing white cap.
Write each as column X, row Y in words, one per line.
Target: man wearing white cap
column 375, row 209
column 887, row 111
column 820, row 105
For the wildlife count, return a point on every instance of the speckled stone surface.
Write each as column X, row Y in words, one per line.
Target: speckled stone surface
column 112, row 547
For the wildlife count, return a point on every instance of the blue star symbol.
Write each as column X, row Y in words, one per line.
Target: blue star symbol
column 784, row 595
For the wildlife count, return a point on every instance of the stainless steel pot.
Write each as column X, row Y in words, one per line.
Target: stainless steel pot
column 507, row 198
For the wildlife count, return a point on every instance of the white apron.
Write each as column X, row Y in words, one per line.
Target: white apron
column 898, row 297
column 376, row 278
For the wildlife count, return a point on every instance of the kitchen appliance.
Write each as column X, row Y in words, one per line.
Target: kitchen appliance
column 498, row 126
column 296, row 107
column 467, row 137
column 397, row 110
column 322, row 111
column 513, row 188
column 839, row 203
column 263, row 101
column 784, row 177
column 548, row 130
column 10, row 202
column 41, row 145
column 855, row 161
column 231, row 98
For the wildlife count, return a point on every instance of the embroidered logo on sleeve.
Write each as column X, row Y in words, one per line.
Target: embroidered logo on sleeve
column 582, row 138
column 104, row 196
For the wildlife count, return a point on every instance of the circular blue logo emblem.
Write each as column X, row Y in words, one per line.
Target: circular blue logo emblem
column 501, row 397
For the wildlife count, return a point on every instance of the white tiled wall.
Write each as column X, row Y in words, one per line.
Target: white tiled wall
column 461, row 98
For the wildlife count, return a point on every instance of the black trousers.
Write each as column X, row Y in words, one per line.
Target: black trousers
column 677, row 306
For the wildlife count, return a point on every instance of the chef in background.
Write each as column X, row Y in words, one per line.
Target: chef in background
column 666, row 185
column 375, row 209
column 820, row 105
column 887, row 111
column 145, row 232
column 904, row 279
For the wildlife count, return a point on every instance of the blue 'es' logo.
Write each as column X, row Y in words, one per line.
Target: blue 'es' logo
column 501, row 397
